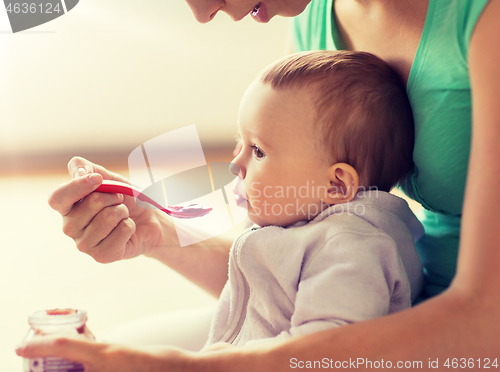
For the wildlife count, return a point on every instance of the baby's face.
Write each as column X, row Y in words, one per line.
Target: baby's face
column 282, row 173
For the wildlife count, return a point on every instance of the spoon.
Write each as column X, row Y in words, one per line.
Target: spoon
column 190, row 211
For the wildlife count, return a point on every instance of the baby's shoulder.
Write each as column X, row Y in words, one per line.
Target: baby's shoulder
column 343, row 225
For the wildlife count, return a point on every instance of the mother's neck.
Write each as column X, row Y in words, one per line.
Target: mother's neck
column 390, row 29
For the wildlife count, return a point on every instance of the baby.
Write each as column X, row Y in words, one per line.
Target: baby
column 325, row 136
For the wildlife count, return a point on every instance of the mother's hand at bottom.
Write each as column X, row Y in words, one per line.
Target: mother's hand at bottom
column 100, row 357
column 108, row 227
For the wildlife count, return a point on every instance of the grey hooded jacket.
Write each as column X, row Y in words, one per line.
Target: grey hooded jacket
column 354, row 261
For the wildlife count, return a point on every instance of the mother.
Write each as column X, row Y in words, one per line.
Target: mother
column 447, row 51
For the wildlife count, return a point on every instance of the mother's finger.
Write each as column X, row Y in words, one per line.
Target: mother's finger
column 85, row 211
column 66, row 195
column 78, row 167
column 116, row 246
column 77, row 350
column 99, row 229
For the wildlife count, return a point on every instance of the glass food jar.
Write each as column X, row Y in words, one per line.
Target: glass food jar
column 57, row 322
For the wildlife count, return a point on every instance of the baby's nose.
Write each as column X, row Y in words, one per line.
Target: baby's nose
column 234, row 169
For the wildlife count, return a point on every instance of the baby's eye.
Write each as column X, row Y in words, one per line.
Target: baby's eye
column 258, row 153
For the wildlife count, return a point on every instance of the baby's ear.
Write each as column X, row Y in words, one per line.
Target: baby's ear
column 344, row 182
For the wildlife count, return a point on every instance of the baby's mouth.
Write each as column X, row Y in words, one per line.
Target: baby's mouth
column 241, row 201
column 239, row 191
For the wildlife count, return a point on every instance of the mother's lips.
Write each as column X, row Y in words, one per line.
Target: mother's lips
column 259, row 13
column 256, row 9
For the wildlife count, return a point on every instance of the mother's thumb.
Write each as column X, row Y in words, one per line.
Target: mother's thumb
column 79, row 167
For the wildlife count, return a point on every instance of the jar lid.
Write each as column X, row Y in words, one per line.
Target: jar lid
column 58, row 317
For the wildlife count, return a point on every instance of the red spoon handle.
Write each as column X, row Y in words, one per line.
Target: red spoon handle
column 123, row 188
column 191, row 211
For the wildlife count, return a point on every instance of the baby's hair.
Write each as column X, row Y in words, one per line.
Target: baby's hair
column 362, row 110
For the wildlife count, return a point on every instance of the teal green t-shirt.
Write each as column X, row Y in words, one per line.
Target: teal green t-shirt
column 439, row 91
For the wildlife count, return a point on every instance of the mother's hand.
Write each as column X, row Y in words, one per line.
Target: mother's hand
column 108, row 227
column 100, row 357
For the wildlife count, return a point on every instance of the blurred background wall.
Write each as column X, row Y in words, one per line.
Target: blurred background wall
column 111, row 74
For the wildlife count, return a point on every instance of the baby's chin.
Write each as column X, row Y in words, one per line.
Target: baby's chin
column 264, row 221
